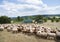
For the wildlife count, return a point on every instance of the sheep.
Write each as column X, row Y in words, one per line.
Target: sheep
column 53, row 31
column 32, row 30
column 42, row 34
column 9, row 29
column 48, row 30
column 51, row 36
column 57, row 35
column 20, row 28
column 1, row 28
column 5, row 26
column 14, row 30
column 26, row 30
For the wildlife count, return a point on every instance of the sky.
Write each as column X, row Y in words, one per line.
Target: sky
column 13, row 8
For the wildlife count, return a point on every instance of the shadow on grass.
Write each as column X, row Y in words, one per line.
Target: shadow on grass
column 57, row 39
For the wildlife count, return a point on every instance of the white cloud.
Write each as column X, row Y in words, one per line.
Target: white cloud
column 32, row 1
column 33, row 7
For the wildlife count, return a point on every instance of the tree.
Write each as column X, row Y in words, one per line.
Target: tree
column 5, row 19
column 53, row 19
column 45, row 19
column 19, row 18
column 38, row 18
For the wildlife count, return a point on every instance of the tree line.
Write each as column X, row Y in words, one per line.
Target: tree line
column 37, row 19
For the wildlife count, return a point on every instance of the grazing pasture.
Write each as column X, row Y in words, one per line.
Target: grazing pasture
column 9, row 37
column 6, row 36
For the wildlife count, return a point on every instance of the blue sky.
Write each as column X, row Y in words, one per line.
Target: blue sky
column 52, row 2
column 15, row 8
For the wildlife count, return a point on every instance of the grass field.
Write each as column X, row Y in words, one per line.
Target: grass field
column 20, row 37
column 9, row 37
column 51, row 24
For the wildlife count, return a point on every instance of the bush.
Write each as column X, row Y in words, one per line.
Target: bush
column 57, row 20
column 52, row 20
column 4, row 19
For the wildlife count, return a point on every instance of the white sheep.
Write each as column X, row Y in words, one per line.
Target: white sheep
column 58, row 34
column 42, row 34
column 1, row 28
column 9, row 29
column 51, row 36
column 14, row 30
column 32, row 30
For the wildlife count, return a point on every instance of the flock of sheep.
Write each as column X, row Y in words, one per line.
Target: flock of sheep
column 39, row 31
